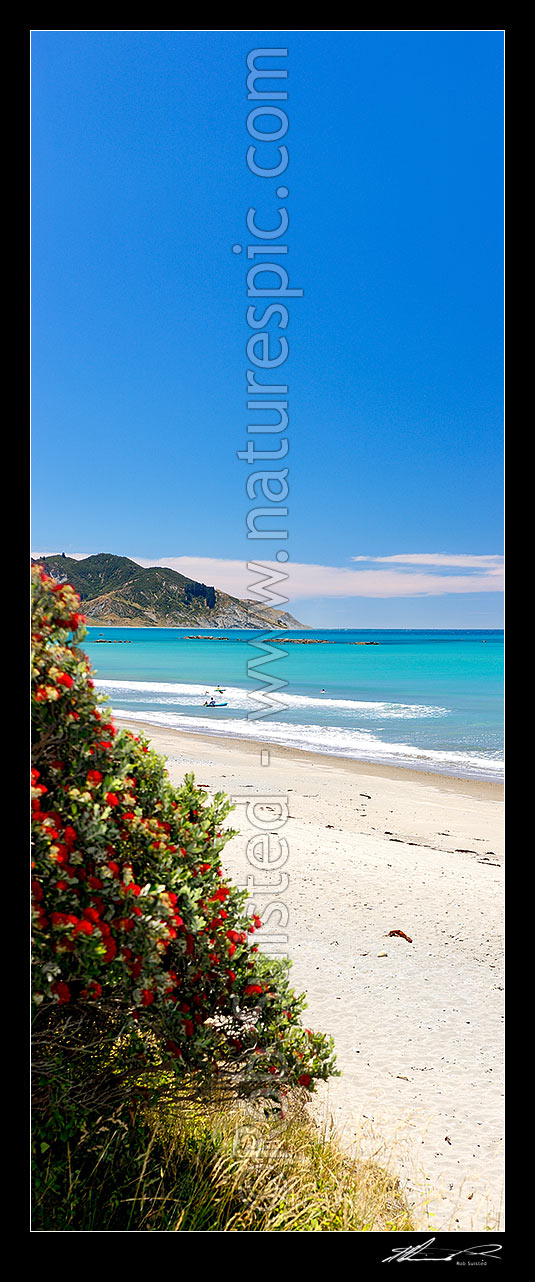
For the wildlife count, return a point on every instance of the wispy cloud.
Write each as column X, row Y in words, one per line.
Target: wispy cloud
column 461, row 560
column 299, row 581
column 305, row 581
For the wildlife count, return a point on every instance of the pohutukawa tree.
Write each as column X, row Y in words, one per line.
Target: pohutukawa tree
column 136, row 928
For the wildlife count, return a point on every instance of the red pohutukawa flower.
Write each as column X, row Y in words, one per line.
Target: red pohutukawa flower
column 61, row 991
column 64, row 680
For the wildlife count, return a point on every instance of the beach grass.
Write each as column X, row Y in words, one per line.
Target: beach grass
column 192, row 1166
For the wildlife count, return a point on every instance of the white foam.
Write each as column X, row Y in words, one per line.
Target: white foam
column 329, row 740
column 171, row 692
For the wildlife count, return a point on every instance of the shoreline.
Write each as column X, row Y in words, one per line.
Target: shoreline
column 416, row 1019
column 188, row 627
column 305, row 627
column 493, row 788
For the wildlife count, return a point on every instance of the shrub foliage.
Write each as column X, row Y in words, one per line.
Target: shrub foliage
column 141, row 944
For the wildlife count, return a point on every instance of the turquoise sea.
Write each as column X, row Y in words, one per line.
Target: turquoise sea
column 429, row 700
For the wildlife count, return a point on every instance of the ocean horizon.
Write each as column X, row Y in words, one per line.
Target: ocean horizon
column 428, row 699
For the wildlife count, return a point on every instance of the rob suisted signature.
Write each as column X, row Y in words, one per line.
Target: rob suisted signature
column 426, row 1251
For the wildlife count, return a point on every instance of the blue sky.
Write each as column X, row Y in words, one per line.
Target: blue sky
column 140, row 189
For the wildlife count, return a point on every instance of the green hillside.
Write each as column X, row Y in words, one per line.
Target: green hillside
column 117, row 591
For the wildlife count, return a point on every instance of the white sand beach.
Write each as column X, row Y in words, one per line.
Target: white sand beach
column 417, row 1025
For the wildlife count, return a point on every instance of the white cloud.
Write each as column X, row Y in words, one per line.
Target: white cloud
column 462, row 561
column 305, row 581
column 302, row 581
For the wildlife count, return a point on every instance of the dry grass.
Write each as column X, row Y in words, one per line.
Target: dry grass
column 201, row 1167
column 257, row 1173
